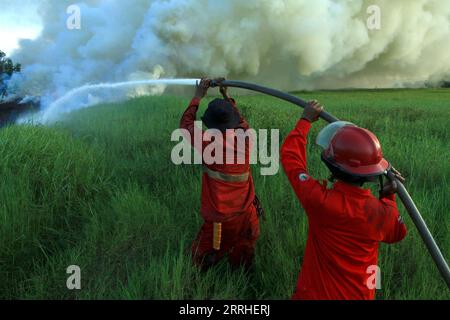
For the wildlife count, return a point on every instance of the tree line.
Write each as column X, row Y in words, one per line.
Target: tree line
column 7, row 68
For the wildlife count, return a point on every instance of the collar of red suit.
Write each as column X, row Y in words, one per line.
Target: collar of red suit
column 349, row 188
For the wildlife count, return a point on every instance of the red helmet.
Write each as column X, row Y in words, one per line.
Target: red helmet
column 356, row 151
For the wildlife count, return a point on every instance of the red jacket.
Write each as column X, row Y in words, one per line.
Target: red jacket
column 346, row 223
column 221, row 199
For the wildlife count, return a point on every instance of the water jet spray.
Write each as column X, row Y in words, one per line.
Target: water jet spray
column 55, row 108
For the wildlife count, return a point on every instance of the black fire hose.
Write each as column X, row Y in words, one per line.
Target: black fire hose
column 403, row 194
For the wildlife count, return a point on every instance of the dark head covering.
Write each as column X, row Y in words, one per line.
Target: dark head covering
column 221, row 115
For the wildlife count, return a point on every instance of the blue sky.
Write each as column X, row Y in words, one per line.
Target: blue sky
column 18, row 19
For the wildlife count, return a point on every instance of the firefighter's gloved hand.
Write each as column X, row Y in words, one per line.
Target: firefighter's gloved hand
column 202, row 88
column 312, row 111
column 390, row 187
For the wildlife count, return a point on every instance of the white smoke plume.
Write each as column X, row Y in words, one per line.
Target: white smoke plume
column 290, row 44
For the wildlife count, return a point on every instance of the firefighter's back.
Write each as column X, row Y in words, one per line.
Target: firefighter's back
column 227, row 187
column 342, row 245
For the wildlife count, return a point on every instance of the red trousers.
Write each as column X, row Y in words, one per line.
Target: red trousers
column 238, row 240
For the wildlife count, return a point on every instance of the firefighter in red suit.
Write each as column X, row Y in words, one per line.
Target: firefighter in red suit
column 229, row 206
column 346, row 222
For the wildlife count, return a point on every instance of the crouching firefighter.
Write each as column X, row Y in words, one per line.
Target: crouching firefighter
column 346, row 222
column 229, row 206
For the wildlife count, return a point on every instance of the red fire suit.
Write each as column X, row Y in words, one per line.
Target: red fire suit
column 345, row 225
column 225, row 201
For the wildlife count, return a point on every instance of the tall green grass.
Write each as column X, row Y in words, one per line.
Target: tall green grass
column 98, row 190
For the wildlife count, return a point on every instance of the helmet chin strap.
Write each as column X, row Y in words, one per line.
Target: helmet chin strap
column 380, row 179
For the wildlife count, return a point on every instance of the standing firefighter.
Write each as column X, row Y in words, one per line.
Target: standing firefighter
column 229, row 206
column 346, row 222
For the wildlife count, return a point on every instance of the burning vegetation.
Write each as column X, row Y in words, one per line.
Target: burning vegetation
column 12, row 107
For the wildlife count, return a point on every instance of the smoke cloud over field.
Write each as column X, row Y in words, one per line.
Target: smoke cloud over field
column 290, row 44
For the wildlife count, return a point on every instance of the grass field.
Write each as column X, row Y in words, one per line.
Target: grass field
column 98, row 190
